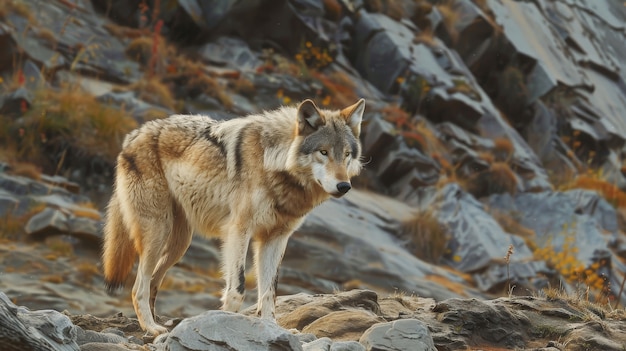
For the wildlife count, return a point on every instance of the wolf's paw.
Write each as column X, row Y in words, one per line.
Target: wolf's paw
column 156, row 330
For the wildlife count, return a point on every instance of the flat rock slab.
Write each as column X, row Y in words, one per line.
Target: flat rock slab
column 223, row 331
column 404, row 334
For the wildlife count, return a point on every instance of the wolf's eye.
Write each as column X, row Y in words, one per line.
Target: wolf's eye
column 347, row 153
column 324, row 152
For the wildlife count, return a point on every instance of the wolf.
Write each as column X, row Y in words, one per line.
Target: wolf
column 252, row 178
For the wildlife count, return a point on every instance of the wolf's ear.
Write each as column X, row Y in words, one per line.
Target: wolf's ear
column 309, row 117
column 354, row 115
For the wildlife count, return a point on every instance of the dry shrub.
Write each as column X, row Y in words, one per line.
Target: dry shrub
column 12, row 226
column 154, row 91
column 612, row 193
column 513, row 226
column 26, row 169
column 87, row 270
column 332, row 9
column 503, row 149
column 18, row 7
column 498, row 179
column 339, row 87
column 244, row 86
column 211, row 87
column 456, row 287
column 154, row 113
column 140, row 50
column 53, row 278
column 87, row 213
column 70, row 117
column 426, row 237
column 59, row 247
column 450, row 18
column 391, row 8
column 426, row 37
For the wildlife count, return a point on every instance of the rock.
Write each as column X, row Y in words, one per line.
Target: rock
column 9, row 46
column 404, row 334
column 477, row 240
column 521, row 275
column 347, row 346
column 342, row 325
column 86, row 229
column 321, row 344
column 307, row 310
column 16, row 103
column 61, row 182
column 90, row 336
column 582, row 213
column 490, row 321
column 46, row 330
column 230, row 52
column 47, row 222
column 100, row 346
column 219, row 330
column 367, row 250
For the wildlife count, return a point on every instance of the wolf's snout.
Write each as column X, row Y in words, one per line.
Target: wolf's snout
column 343, row 187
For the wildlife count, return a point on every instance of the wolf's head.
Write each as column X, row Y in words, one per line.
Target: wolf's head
column 330, row 146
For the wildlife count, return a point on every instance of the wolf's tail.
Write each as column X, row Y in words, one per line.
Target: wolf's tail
column 119, row 253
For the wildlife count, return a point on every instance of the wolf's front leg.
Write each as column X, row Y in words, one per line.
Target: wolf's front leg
column 268, row 255
column 234, row 252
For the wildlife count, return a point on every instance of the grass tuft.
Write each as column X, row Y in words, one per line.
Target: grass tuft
column 426, row 237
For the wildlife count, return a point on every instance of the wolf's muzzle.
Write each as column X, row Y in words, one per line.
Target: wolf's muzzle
column 343, row 187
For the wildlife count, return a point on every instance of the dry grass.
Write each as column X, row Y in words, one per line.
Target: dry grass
column 12, row 226
column 426, row 37
column 87, row 271
column 503, row 149
column 498, row 179
column 53, row 278
column 391, row 8
column 339, row 89
column 426, row 237
column 154, row 91
column 609, row 191
column 456, row 287
column 18, row 7
column 26, row 169
column 59, row 247
column 244, row 86
column 450, row 17
column 70, row 117
column 513, row 226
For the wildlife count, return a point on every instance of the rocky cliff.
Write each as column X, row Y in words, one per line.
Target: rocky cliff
column 494, row 132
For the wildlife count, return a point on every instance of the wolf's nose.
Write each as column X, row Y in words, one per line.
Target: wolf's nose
column 343, row 187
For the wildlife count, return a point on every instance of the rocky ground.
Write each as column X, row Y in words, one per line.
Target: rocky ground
column 491, row 213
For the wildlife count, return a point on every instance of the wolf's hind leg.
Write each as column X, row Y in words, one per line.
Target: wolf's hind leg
column 234, row 250
column 175, row 247
column 268, row 255
column 149, row 245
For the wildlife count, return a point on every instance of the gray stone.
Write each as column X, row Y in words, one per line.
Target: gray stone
column 220, row 330
column 321, row 344
column 86, row 228
column 477, row 239
column 47, row 222
column 347, row 346
column 400, row 335
column 90, row 336
column 230, row 52
column 46, row 330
